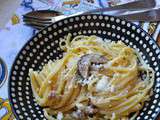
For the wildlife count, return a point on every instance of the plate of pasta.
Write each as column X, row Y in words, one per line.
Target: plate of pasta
column 87, row 67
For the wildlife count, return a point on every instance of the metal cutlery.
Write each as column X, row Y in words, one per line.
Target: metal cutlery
column 147, row 15
column 42, row 18
column 136, row 5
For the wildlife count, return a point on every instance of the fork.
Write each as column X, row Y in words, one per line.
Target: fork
column 42, row 18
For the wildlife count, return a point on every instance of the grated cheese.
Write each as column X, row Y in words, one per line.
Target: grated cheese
column 49, row 81
column 89, row 109
column 102, row 84
column 80, row 106
column 84, row 82
column 59, row 116
column 113, row 115
column 112, row 88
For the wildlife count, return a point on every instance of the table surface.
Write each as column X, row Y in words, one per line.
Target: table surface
column 13, row 37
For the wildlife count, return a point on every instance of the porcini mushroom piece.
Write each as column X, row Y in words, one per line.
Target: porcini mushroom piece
column 86, row 61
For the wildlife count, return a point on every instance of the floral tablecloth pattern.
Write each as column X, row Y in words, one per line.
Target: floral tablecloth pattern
column 15, row 34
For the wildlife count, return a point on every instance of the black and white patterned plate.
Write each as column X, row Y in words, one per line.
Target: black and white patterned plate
column 45, row 46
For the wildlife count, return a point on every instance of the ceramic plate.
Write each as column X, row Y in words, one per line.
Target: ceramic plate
column 45, row 46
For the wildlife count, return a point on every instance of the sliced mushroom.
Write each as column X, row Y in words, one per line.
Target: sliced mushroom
column 85, row 62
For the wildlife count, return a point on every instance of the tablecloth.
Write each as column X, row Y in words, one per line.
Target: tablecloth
column 16, row 34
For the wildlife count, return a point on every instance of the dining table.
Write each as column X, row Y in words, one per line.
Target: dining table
column 15, row 34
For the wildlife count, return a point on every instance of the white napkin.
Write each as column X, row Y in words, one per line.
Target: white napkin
column 7, row 9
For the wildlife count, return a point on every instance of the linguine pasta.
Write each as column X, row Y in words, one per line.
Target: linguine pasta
column 95, row 79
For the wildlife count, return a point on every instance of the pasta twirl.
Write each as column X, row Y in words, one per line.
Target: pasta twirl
column 95, row 79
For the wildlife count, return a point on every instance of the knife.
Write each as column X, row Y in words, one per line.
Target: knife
column 143, row 15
